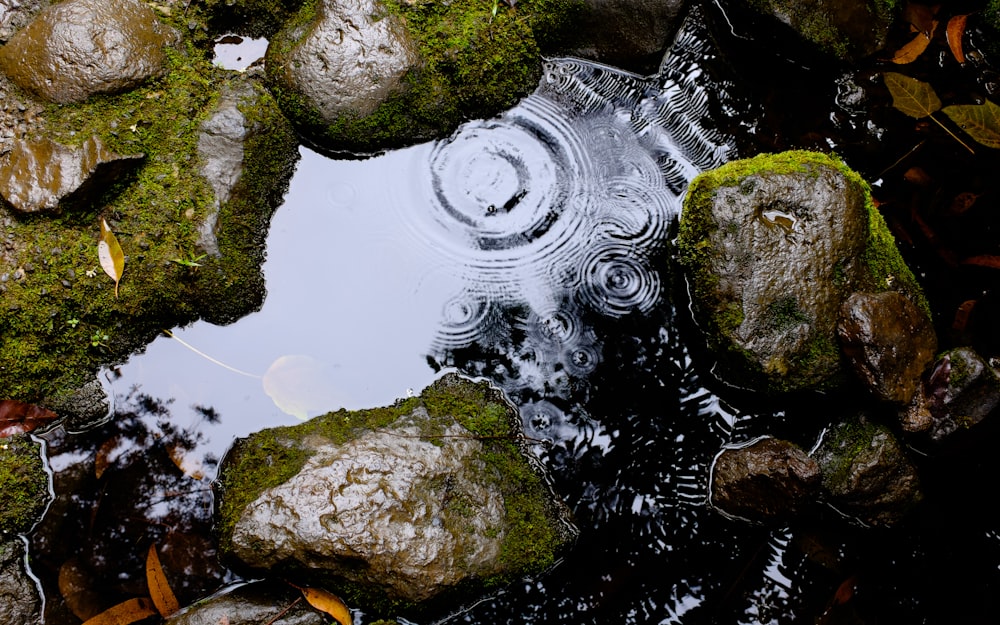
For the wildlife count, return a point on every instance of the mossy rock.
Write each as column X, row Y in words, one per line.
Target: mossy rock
column 533, row 525
column 473, row 60
column 772, row 246
column 24, row 485
column 61, row 318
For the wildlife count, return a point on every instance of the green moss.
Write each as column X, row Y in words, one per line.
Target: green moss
column 23, row 485
column 51, row 317
column 474, row 65
column 533, row 537
column 251, row 18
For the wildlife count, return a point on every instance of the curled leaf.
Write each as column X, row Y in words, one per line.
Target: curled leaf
column 329, row 603
column 980, row 121
column 110, row 254
column 954, row 32
column 18, row 417
column 911, row 96
column 124, row 613
column 159, row 589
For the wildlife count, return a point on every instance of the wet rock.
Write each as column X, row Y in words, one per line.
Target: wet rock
column 14, row 14
column 23, row 484
column 888, row 341
column 19, row 600
column 962, row 389
column 866, row 473
column 251, row 604
column 631, row 34
column 848, row 29
column 772, row 247
column 78, row 48
column 347, row 62
column 407, row 502
column 39, row 175
column 81, row 407
column 769, row 479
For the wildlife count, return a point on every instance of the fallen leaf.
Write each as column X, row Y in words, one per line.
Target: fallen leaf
column 845, row 591
column 300, row 384
column 329, row 603
column 920, row 16
column 124, row 613
column 916, row 47
column 985, row 260
column 980, row 121
column 191, row 467
column 74, row 586
column 109, row 451
column 159, row 589
column 110, row 254
column 917, row 176
column 911, row 96
column 954, row 32
column 961, row 319
column 963, row 202
column 18, row 417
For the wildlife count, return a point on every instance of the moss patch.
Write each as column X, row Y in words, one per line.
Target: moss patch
column 534, row 532
column 475, row 63
column 23, row 485
column 61, row 319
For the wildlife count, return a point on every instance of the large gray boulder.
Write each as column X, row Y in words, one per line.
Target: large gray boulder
column 772, row 247
column 406, row 503
column 78, row 48
column 40, row 175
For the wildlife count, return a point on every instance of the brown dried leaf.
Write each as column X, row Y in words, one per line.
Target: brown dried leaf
column 124, row 613
column 993, row 262
column 329, row 603
column 159, row 589
column 917, row 176
column 107, row 453
column 954, row 32
column 961, row 319
column 916, row 47
column 18, row 417
column 963, row 202
column 920, row 16
column 74, row 586
column 980, row 121
column 910, row 96
column 189, row 466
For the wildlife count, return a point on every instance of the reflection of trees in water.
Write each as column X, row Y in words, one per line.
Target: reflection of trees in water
column 120, row 487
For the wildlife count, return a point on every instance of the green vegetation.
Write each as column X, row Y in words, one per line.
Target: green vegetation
column 62, row 319
column 534, row 535
column 23, row 485
column 474, row 64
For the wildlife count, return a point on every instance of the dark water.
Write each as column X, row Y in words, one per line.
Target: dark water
column 533, row 250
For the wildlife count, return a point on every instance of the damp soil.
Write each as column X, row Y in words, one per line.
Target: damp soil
column 533, row 250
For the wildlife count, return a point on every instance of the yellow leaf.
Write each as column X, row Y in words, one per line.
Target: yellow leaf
column 916, row 47
column 110, row 254
column 910, row 96
column 980, row 121
column 328, row 602
column 159, row 590
column 124, row 613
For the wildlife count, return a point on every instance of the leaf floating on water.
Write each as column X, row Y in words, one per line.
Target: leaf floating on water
column 300, row 384
column 110, row 254
column 954, row 32
column 159, row 589
column 74, row 586
column 911, row 96
column 18, row 417
column 980, row 121
column 124, row 613
column 328, row 602
column 191, row 467
column 963, row 202
column 993, row 262
column 916, row 47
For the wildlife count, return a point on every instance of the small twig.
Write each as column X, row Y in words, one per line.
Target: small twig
column 283, row 612
column 953, row 135
column 902, row 158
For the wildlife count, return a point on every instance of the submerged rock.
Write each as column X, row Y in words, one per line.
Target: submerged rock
column 402, row 504
column 848, row 29
column 866, row 473
column 79, row 48
column 889, row 342
column 19, row 600
column 40, row 175
column 251, row 604
column 773, row 246
column 769, row 479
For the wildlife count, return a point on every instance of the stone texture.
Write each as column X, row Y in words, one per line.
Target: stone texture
column 769, row 479
column 350, row 60
column 251, row 604
column 961, row 390
column 888, row 341
column 39, row 175
column 866, row 473
column 19, row 600
column 772, row 247
column 78, row 48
